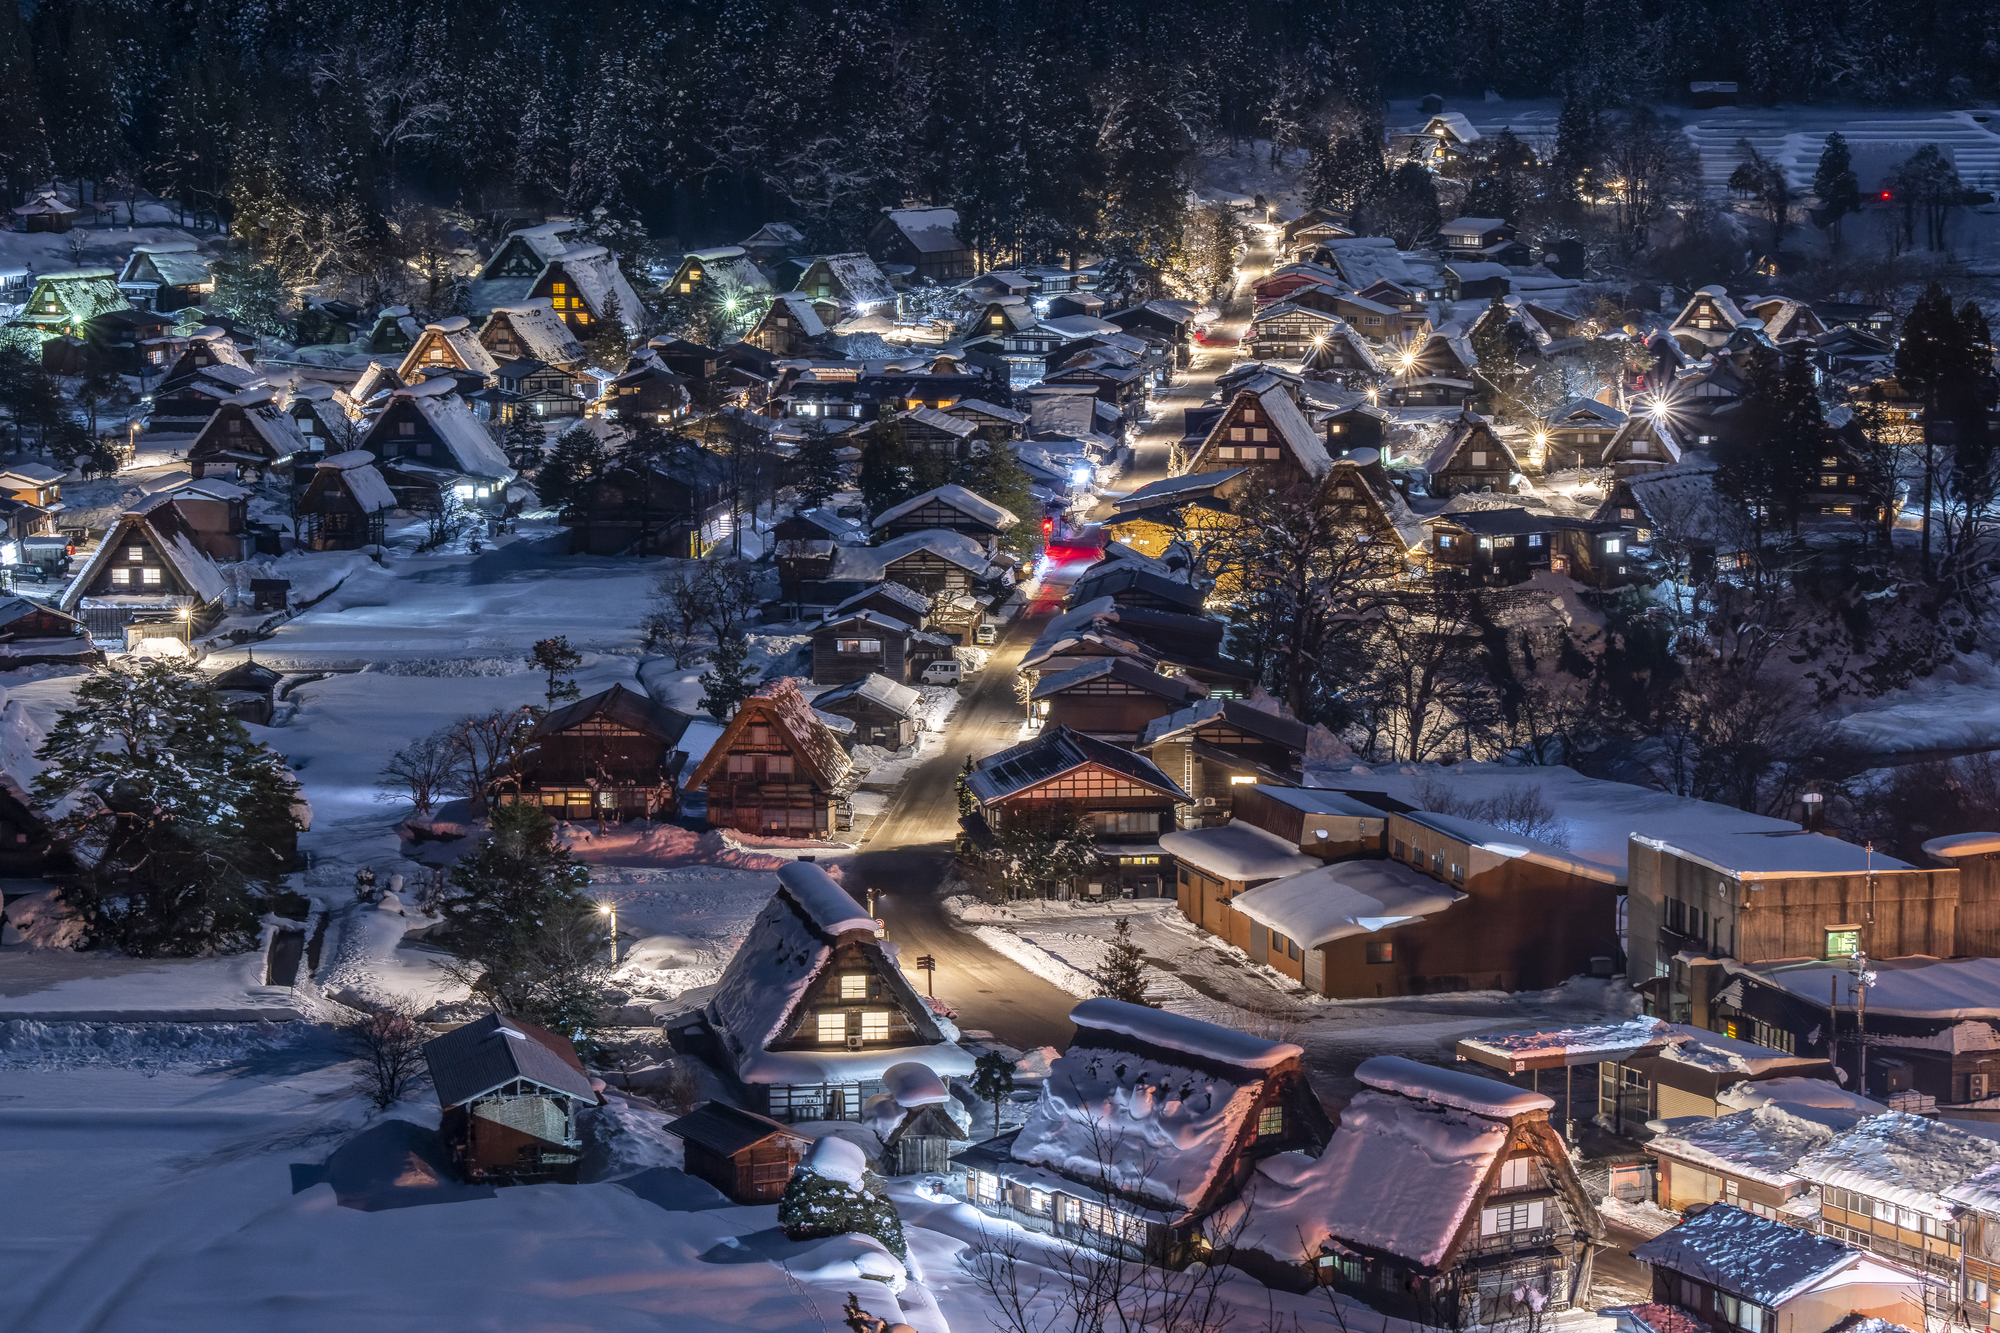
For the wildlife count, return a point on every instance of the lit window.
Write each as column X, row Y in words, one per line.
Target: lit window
column 1478, row 458
column 833, row 1027
column 1038, row 1201
column 1843, row 941
column 1381, row 951
column 1514, row 1173
column 875, row 1026
column 135, row 553
column 559, row 288
column 121, row 575
column 149, row 576
column 742, row 763
column 854, row 986
column 985, row 1187
column 1270, row 1121
column 1612, row 546
column 1534, row 539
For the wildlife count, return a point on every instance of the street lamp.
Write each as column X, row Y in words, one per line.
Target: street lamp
column 187, row 626
column 611, row 910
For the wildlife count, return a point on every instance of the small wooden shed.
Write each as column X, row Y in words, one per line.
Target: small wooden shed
column 510, row 1092
column 747, row 1156
column 924, row 1132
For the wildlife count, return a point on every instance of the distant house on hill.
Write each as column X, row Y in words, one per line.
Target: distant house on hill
column 924, row 238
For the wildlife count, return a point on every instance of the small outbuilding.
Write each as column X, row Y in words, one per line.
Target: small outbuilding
column 511, row 1093
column 747, row 1156
column 883, row 712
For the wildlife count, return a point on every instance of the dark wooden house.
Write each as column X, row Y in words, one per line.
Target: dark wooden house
column 511, row 1094
column 248, row 436
column 747, row 1156
column 812, row 1013
column 346, row 505
column 614, row 756
column 1235, row 1101
column 859, row 643
column 1126, row 797
column 924, row 238
column 1217, row 745
column 1264, row 426
column 1135, row 585
column 168, row 275
column 676, row 506
column 249, row 690
column 789, row 326
column 951, row 509
column 928, row 1123
column 646, row 395
column 776, row 768
column 1501, row 547
column 884, row 713
column 1442, row 1196
column 1112, row 698
column 148, row 567
column 1470, row 457
column 35, row 635
column 531, row 331
column 1575, row 433
column 889, row 599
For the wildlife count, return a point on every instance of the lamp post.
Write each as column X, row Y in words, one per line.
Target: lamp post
column 611, row 910
column 187, row 626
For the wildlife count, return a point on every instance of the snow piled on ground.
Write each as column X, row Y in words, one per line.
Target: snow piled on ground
column 143, row 1047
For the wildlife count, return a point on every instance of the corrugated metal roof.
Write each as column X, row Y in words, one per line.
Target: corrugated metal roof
column 493, row 1051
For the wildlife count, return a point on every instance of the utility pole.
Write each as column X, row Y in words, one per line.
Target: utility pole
column 927, row 965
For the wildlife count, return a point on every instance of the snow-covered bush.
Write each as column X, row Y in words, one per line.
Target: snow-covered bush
column 833, row 1193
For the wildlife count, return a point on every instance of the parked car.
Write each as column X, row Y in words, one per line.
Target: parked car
column 1213, row 338
column 944, row 673
column 986, row 634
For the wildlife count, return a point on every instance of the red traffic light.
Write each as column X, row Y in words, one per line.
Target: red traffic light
column 1048, row 526
column 1885, row 196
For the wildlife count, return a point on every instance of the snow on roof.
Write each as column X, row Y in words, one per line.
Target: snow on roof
column 1762, row 1144
column 1449, row 1087
column 1316, row 802
column 876, row 688
column 913, row 1084
column 1752, row 1256
column 956, row 497
column 1722, row 1054
column 1936, row 988
column 166, row 528
column 1513, row 846
column 1814, row 1098
column 1054, row 753
column 1683, row 501
column 1293, row 428
column 1127, row 672
column 491, row 1052
column 985, row 409
column 543, row 334
column 1783, row 854
column 930, row 230
column 801, row 309
column 473, row 451
column 871, row 563
column 1364, row 261
column 1962, row 844
column 1587, row 411
column 1905, row 1159
column 1146, row 1124
column 1455, row 121
column 1179, row 1033
column 1346, row 898
column 598, row 278
column 358, row 473
column 1397, row 1178
column 1477, row 272
column 1237, row 851
column 861, row 278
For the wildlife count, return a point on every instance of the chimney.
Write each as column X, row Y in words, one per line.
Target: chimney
column 1812, row 812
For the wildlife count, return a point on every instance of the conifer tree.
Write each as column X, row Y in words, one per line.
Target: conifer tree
column 181, row 824
column 729, row 678
column 819, row 474
column 558, row 662
column 1835, row 183
column 886, row 465
column 992, row 1080
column 24, row 149
column 578, row 457
column 610, row 347
column 1123, row 976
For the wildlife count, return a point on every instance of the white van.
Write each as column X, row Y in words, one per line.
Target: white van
column 944, row 673
column 986, row 634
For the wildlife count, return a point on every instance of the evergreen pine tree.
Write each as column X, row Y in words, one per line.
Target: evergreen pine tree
column 885, row 464
column 518, row 918
column 610, row 347
column 819, row 474
column 558, row 662
column 1497, row 368
column 24, row 149
column 1835, row 183
column 729, row 679
column 181, row 823
column 1576, row 167
column 524, row 441
column 996, row 474
column 1123, row 976
column 578, row 457
column 1773, row 461
column 967, row 802
column 992, row 1080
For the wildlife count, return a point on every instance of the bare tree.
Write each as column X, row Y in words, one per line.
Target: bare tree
column 390, row 1045
column 486, row 747
column 422, row 771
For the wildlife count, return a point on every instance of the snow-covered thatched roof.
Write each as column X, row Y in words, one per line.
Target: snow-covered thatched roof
column 356, row 470
column 973, row 506
column 541, row 331
column 473, row 451
column 929, row 230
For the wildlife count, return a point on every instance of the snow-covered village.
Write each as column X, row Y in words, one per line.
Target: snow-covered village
column 999, row 667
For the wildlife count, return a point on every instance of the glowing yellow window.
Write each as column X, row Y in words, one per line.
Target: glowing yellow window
column 854, row 986
column 833, row 1027
column 875, row 1027
column 559, row 288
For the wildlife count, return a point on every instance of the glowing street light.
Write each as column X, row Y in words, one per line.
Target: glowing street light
column 187, row 625
column 611, row 910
